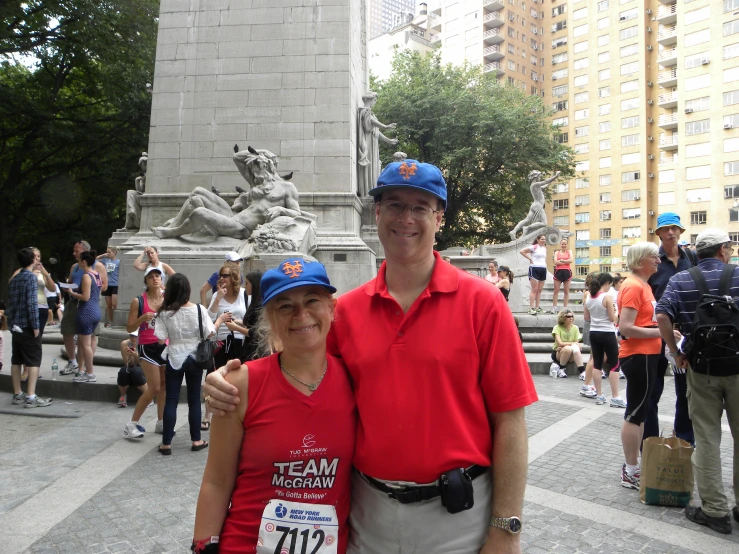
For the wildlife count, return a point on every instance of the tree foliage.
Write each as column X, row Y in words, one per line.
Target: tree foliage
column 74, row 118
column 485, row 137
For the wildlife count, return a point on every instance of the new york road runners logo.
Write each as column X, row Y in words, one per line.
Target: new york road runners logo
column 292, row 269
column 407, row 171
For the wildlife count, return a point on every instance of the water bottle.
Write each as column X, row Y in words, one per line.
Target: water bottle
column 54, row 369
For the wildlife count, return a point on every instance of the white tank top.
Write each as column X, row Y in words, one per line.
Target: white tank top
column 539, row 255
column 598, row 315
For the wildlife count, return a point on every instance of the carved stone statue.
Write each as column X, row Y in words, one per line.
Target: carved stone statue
column 269, row 212
column 368, row 147
column 536, row 217
column 133, row 202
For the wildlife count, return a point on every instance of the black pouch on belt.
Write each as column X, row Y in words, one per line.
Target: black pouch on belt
column 457, row 494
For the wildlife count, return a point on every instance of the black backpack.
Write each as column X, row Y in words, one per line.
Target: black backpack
column 712, row 347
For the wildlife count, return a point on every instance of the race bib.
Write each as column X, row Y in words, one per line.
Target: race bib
column 110, row 267
column 297, row 528
column 654, row 311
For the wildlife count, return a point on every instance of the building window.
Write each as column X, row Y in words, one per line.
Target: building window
column 730, row 5
column 582, row 235
column 629, row 68
column 629, row 104
column 629, row 122
column 582, row 131
column 582, row 148
column 629, row 140
column 631, row 213
column 733, row 215
column 629, row 86
column 560, row 90
column 559, row 10
column 697, row 218
column 559, row 74
column 734, row 237
column 631, row 232
column 604, row 181
column 605, row 197
column 604, row 92
column 582, row 63
column 603, row 5
column 582, row 217
column 604, row 40
column 604, row 127
column 561, row 221
column 604, row 109
column 628, row 32
column 697, row 127
column 557, row 42
column 731, row 191
column 561, row 204
column 562, row 139
column 604, row 57
column 560, row 106
column 581, row 80
column 560, row 121
column 693, row 238
column 582, row 114
column 605, row 252
column 581, row 97
column 731, row 51
column 605, row 268
column 624, row 251
column 630, row 176
column 629, row 50
column 731, row 168
column 696, row 60
column 605, row 233
column 731, row 27
column 582, row 183
column 604, row 162
column 582, row 200
column 604, row 74
column 559, row 26
column 604, row 144
column 582, row 252
column 628, row 15
column 605, row 215
column 731, row 97
column 559, row 58
column 559, row 188
column 581, row 270
column 698, row 104
column 629, row 195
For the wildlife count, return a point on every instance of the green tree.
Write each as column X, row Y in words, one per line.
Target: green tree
column 74, row 118
column 485, row 137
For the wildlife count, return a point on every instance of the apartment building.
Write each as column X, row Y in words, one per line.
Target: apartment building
column 650, row 104
column 505, row 36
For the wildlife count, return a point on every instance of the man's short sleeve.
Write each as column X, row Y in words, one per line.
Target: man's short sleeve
column 668, row 303
column 213, row 280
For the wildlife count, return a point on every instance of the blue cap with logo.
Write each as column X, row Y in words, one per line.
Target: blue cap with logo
column 291, row 273
column 411, row 174
column 668, row 219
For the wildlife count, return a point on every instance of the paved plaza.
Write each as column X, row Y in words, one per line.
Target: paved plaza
column 73, row 484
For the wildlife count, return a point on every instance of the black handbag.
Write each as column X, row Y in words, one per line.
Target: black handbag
column 204, row 353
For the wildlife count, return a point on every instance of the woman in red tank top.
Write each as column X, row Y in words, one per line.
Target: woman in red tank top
column 283, row 458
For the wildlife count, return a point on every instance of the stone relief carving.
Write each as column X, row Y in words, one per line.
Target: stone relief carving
column 133, row 197
column 369, row 136
column 536, row 217
column 268, row 215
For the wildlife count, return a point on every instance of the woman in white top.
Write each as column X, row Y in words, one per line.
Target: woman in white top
column 152, row 255
column 177, row 322
column 492, row 276
column 536, row 254
column 602, row 311
column 229, row 304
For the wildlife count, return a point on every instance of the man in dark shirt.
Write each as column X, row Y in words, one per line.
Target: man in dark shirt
column 710, row 394
column 673, row 260
column 23, row 323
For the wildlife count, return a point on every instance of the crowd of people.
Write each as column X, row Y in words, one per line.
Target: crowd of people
column 322, row 412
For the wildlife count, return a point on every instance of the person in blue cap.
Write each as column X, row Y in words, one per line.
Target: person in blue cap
column 423, row 343
column 674, row 259
column 288, row 448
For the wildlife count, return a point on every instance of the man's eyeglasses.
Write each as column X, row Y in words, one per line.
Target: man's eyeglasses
column 397, row 208
column 224, row 275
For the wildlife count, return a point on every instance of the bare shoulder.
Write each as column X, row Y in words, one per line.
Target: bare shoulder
column 239, row 379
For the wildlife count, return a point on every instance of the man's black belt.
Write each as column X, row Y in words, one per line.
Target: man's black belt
column 411, row 494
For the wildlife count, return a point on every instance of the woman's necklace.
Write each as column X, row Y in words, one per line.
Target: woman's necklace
column 311, row 386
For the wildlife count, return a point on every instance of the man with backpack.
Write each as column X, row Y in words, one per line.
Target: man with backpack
column 704, row 303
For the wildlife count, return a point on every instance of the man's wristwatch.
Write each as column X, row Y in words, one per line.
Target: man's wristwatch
column 511, row 524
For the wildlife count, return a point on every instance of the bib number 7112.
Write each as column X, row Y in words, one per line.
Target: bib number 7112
column 318, row 535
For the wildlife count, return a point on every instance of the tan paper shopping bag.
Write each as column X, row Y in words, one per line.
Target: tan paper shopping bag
column 666, row 472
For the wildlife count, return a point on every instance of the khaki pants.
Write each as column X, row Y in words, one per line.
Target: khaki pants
column 706, row 399
column 381, row 525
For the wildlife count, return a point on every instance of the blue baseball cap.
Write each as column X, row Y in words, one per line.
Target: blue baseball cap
column 668, row 219
column 291, row 273
column 411, row 174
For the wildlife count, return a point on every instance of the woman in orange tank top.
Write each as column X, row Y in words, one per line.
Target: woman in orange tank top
column 278, row 473
column 563, row 259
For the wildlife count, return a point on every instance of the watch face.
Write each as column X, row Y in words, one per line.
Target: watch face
column 515, row 525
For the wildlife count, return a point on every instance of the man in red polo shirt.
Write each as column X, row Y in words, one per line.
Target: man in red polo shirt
column 441, row 383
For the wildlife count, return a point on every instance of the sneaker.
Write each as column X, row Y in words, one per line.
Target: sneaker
column 140, row 428
column 621, row 374
column 617, row 402
column 582, row 376
column 603, row 374
column 553, row 311
column 69, row 369
column 532, row 311
column 159, row 427
column 553, row 369
column 630, row 481
column 132, row 431
column 588, row 392
column 19, row 399
column 562, row 374
column 718, row 524
column 540, row 310
column 600, row 400
column 38, row 402
column 122, row 402
column 85, row 378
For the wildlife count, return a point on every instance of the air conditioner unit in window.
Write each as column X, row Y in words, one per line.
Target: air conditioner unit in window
column 536, row 47
column 651, row 212
column 650, row 83
column 650, row 101
column 728, row 125
column 651, row 156
column 555, row 78
column 650, row 120
column 622, row 18
column 705, row 61
column 649, row 12
column 536, row 79
column 651, row 176
column 649, row 29
column 688, row 110
column 650, row 138
column 650, row 47
column 651, row 231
